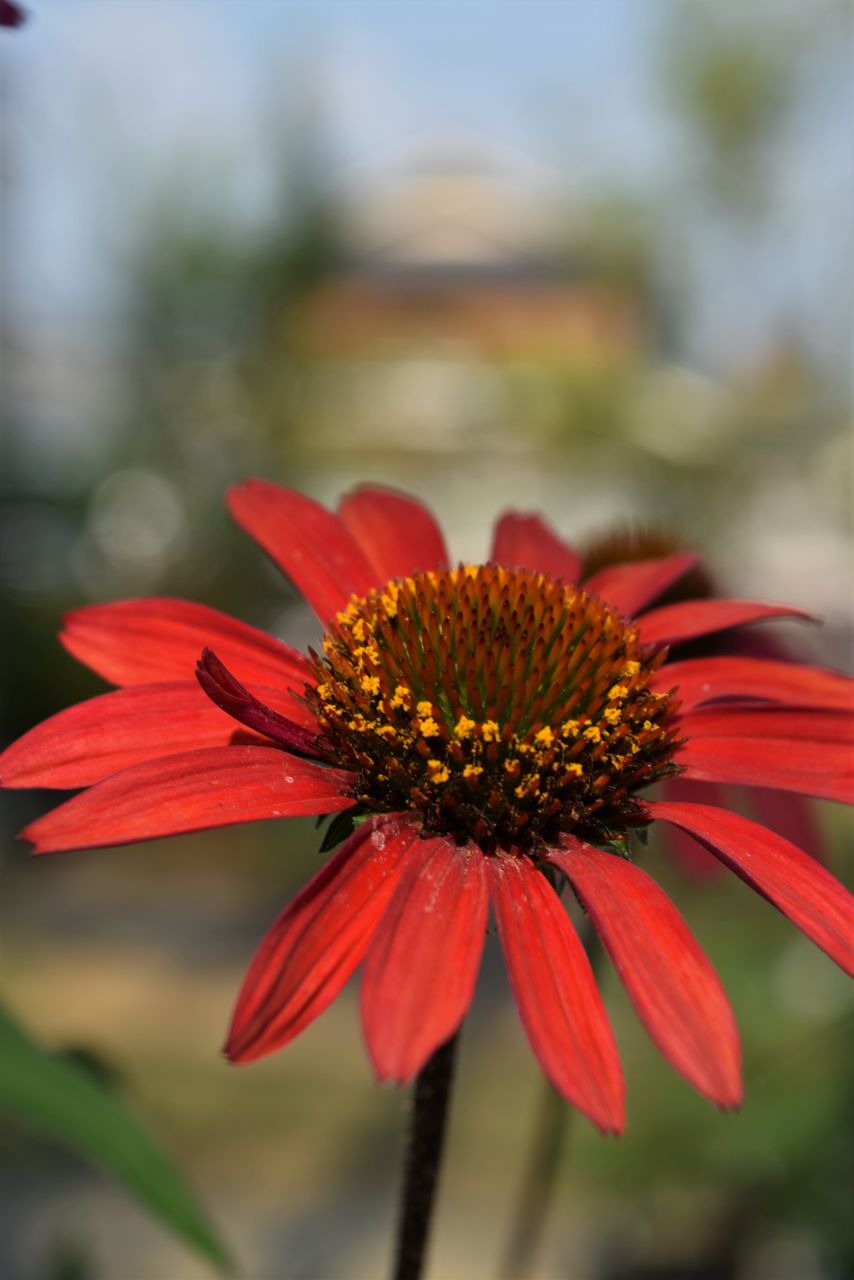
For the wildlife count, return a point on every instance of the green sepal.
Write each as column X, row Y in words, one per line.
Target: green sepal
column 341, row 825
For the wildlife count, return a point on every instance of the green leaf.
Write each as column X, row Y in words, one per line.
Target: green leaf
column 64, row 1102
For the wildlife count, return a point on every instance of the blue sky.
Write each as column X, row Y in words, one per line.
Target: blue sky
column 108, row 99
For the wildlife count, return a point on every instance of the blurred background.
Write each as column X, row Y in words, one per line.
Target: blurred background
column 592, row 259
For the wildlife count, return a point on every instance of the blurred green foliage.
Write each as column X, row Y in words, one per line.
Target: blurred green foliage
column 68, row 1103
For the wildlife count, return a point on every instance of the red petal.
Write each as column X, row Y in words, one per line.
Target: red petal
column 396, row 532
column 88, row 742
column 699, row 680
column 675, row 623
column 309, row 953
column 733, row 721
column 139, row 641
column 628, row 587
column 675, row 991
column 527, row 542
column 214, row 787
column 555, row 992
column 691, row 857
column 791, row 816
column 422, row 965
column 795, row 883
column 307, row 542
column 823, row 769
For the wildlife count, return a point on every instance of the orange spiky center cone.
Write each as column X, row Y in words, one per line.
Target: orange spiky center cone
column 501, row 705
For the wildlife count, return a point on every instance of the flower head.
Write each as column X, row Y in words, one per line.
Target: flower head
column 487, row 735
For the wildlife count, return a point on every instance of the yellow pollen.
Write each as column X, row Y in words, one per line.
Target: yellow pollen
column 472, row 771
column 464, row 728
column 530, row 787
column 613, row 715
column 324, row 692
column 569, row 729
column 593, row 733
column 428, row 727
column 490, row 731
column 371, row 684
column 369, row 651
column 389, row 598
column 402, row 697
column 437, row 771
column 617, row 691
column 575, row 769
column 545, row 737
column 648, row 725
column 631, row 668
column 424, row 708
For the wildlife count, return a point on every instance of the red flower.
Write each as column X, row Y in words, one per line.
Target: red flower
column 484, row 733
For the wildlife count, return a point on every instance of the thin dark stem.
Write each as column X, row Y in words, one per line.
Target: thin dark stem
column 551, row 1130
column 423, row 1157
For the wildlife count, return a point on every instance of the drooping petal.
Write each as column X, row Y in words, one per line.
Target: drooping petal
column 693, row 859
column 422, row 964
column 226, row 692
column 555, row 992
column 193, row 791
column 727, row 720
column 396, row 532
column 676, row 623
column 142, row 641
column 795, row 883
column 675, row 991
column 306, row 957
column 790, row 815
column 527, row 542
column 308, row 543
column 699, row 680
column 823, row 769
column 107, row 734
column 628, row 587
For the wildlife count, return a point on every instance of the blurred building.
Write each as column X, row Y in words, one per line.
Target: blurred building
column 449, row 272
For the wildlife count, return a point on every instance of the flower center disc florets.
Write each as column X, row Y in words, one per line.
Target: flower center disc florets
column 501, row 705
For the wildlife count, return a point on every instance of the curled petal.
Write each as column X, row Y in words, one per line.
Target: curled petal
column 422, row 965
column 796, row 884
column 629, row 587
column 527, row 542
column 306, row 957
column 555, row 992
column 823, row 769
column 396, row 532
column 193, row 791
column 675, row 991
column 699, row 680
column 308, row 543
column 141, row 641
column 676, row 623
column 229, row 694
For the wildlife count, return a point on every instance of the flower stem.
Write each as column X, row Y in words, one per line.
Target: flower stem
column 423, row 1156
column 551, row 1131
